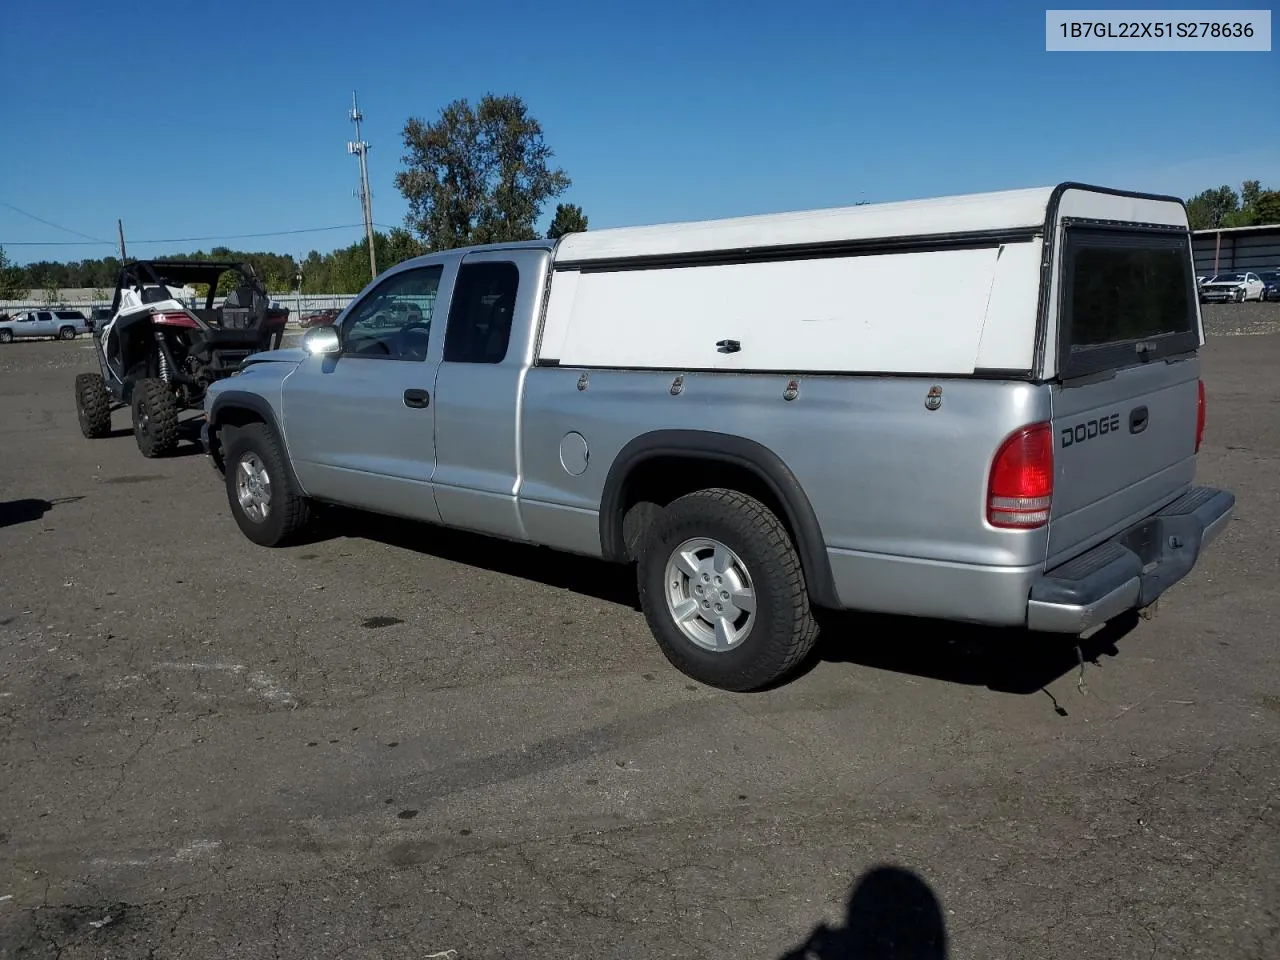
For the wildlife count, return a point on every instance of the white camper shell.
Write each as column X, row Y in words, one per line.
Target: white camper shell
column 954, row 286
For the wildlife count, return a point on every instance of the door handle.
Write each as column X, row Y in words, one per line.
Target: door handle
column 416, row 398
column 1138, row 419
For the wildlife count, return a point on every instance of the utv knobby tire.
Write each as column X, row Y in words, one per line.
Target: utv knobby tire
column 784, row 630
column 288, row 511
column 93, row 405
column 155, row 417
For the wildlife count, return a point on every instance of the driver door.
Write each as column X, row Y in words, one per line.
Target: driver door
column 44, row 325
column 360, row 425
column 25, row 326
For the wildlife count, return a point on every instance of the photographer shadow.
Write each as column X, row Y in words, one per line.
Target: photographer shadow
column 893, row 914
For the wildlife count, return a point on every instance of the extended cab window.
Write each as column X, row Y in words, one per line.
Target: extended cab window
column 393, row 322
column 1128, row 296
column 484, row 300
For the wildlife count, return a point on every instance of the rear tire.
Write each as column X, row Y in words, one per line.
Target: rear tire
column 66, row 333
column 93, row 405
column 726, row 546
column 155, row 417
column 268, row 507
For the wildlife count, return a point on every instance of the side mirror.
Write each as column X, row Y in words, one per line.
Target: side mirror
column 321, row 340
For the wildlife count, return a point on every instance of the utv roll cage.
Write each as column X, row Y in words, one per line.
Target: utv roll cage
column 181, row 273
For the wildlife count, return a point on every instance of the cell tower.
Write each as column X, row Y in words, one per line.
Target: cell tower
column 361, row 150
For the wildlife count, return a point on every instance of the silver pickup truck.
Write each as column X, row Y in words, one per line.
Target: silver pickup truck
column 983, row 408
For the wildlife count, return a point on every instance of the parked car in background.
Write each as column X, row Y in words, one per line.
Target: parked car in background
column 43, row 323
column 319, row 318
column 1270, row 284
column 1232, row 288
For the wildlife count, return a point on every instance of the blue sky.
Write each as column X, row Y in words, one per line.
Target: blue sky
column 197, row 120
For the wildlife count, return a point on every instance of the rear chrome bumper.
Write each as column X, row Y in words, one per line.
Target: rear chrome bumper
column 1132, row 569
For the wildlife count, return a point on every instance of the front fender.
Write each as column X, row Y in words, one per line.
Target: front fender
column 233, row 407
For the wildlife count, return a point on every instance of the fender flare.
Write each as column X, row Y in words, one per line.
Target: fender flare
column 243, row 400
column 739, row 452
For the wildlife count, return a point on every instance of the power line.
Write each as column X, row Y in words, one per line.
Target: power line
column 50, row 223
column 42, row 243
column 249, row 236
column 227, row 236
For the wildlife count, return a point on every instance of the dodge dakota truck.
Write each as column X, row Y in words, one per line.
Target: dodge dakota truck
column 983, row 408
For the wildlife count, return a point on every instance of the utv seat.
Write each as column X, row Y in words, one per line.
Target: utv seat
column 243, row 309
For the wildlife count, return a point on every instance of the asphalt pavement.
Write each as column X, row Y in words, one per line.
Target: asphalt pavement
column 396, row 741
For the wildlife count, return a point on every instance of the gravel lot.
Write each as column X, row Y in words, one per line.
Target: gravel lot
column 397, row 742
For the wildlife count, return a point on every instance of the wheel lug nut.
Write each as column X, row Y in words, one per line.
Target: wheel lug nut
column 718, row 581
column 705, row 578
column 719, row 609
column 698, row 589
column 724, row 594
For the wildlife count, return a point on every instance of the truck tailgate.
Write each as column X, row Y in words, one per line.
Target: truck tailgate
column 1124, row 447
column 1126, row 401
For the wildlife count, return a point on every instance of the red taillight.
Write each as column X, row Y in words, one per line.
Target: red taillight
column 174, row 320
column 1020, row 492
column 1200, row 417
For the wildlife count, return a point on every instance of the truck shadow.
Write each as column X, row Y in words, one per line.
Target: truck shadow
column 1003, row 660
column 609, row 582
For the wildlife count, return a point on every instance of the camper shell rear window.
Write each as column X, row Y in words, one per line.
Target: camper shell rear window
column 1128, row 296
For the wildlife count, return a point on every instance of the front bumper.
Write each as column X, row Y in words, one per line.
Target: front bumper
column 1132, row 569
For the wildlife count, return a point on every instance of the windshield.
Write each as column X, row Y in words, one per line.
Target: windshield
column 1229, row 278
column 1269, row 276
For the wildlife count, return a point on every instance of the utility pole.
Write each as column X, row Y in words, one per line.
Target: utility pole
column 361, row 150
column 120, row 231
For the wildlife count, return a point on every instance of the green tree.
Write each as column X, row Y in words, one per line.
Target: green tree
column 1267, row 207
column 398, row 246
column 477, row 175
column 11, row 285
column 1211, row 208
column 1223, row 207
column 1250, row 190
column 569, row 218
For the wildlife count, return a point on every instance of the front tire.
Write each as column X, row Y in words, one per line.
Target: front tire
column 722, row 588
column 6, row 336
column 267, row 506
column 93, row 405
column 155, row 417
